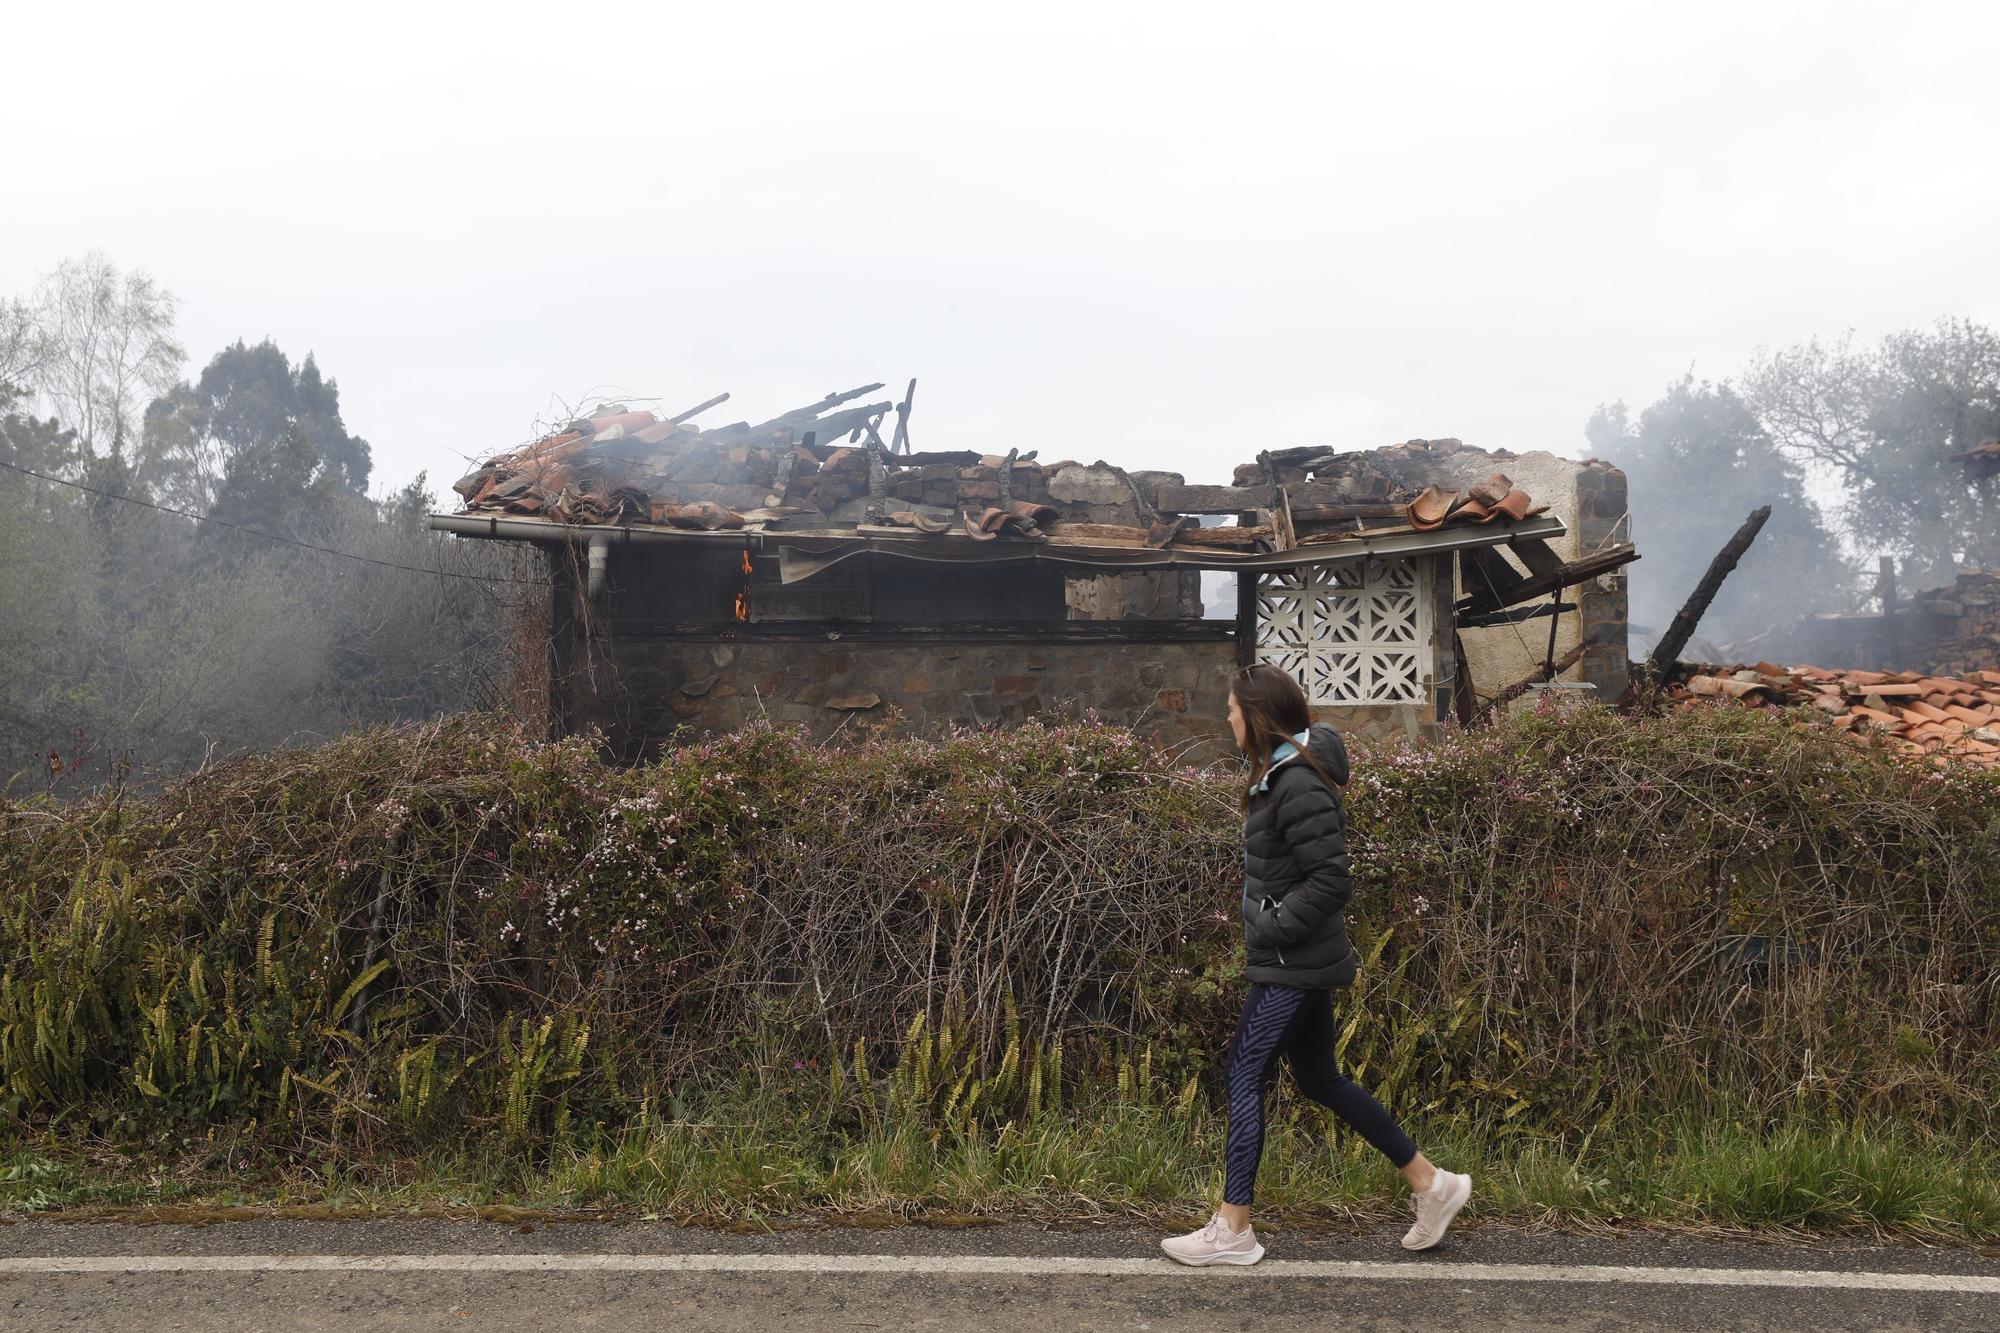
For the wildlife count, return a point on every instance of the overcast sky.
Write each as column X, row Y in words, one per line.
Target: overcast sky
column 1162, row 235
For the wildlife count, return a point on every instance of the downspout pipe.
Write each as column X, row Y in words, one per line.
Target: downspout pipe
column 600, row 557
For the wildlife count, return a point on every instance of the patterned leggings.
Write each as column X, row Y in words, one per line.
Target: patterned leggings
column 1297, row 1023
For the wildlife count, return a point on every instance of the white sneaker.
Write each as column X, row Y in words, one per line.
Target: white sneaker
column 1214, row 1244
column 1436, row 1207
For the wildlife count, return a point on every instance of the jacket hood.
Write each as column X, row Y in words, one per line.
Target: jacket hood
column 1327, row 749
column 1330, row 751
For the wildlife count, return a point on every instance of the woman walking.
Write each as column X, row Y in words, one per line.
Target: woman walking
column 1295, row 891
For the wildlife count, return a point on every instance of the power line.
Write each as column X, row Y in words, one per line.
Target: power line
column 267, row 536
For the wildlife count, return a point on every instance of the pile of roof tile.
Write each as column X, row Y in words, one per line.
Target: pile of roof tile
column 1936, row 717
column 1492, row 499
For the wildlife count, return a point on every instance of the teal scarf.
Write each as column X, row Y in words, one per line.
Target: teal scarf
column 1286, row 750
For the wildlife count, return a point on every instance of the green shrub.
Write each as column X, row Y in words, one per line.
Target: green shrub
column 444, row 934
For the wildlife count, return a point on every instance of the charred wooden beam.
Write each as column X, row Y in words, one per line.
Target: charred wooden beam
column 1546, row 672
column 1170, row 498
column 1236, row 536
column 699, row 408
column 1341, row 513
column 1098, row 534
column 1246, row 617
column 1555, row 623
column 1490, row 581
column 945, row 457
column 1515, row 615
column 1537, row 555
column 824, row 405
column 1464, row 699
column 828, row 432
column 1285, row 533
column 1572, row 573
column 901, row 441
column 1681, row 628
column 871, row 430
column 1000, row 631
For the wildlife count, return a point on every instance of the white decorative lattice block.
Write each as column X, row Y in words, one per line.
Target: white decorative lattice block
column 1352, row 632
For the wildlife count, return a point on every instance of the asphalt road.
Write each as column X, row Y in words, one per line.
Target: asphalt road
column 409, row 1274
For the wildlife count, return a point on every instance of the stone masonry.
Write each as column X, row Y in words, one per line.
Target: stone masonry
column 645, row 692
column 1603, row 520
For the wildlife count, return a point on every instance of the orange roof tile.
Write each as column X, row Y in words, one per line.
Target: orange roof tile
column 1943, row 719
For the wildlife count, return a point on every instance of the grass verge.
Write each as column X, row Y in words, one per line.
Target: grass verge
column 753, row 1164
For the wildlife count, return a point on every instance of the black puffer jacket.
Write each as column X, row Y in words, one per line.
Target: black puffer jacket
column 1295, row 885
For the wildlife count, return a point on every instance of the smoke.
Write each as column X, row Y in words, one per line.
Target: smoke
column 148, row 643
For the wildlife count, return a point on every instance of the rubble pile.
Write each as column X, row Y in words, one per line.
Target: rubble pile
column 1943, row 718
column 621, row 466
column 1960, row 622
column 1395, row 471
column 826, row 465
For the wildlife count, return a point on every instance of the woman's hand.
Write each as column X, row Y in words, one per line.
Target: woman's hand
column 1263, row 923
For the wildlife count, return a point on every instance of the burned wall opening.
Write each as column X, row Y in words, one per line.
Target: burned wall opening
column 661, row 589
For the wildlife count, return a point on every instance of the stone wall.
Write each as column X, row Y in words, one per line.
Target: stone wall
column 1602, row 519
column 647, row 691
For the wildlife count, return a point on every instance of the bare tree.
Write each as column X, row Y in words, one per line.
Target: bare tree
column 1814, row 398
column 24, row 345
column 109, row 348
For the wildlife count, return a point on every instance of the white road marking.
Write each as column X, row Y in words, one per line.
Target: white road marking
column 985, row 1266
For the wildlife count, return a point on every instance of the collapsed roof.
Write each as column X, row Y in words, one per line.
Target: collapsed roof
column 824, row 471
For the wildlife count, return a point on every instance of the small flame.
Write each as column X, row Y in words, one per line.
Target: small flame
column 743, row 593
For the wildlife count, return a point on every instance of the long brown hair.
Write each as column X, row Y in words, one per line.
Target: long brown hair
column 1274, row 710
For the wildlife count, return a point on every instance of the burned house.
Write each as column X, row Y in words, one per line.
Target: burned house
column 1942, row 631
column 806, row 570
